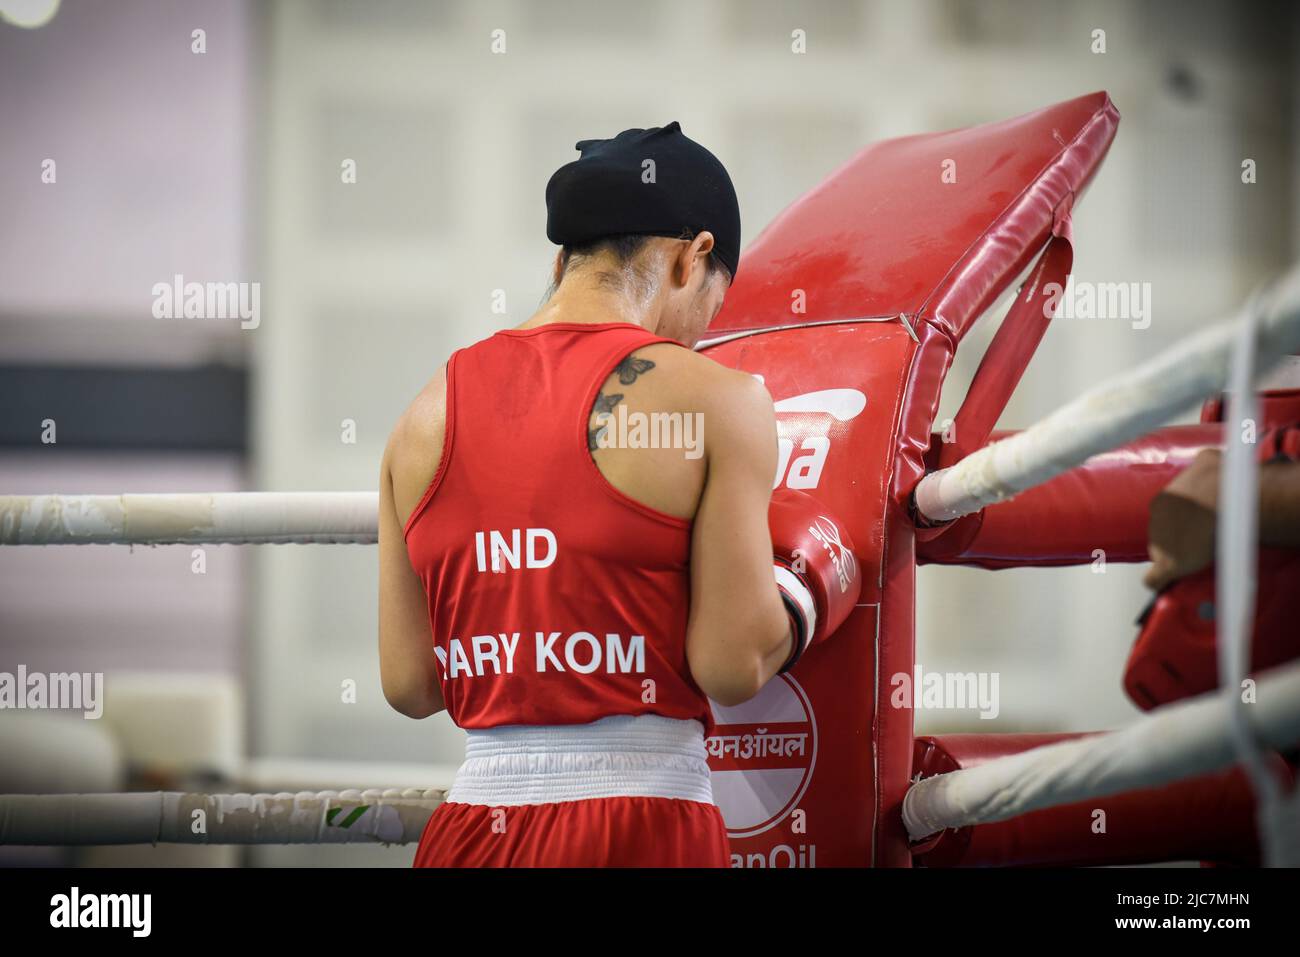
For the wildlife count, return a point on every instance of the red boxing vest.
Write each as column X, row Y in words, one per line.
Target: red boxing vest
column 553, row 597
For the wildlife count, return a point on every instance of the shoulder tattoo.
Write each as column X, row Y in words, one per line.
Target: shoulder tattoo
column 631, row 367
column 628, row 371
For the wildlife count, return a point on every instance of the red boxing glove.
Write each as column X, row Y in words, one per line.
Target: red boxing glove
column 816, row 570
column 1175, row 653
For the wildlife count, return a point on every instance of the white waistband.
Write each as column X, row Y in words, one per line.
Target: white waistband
column 623, row 756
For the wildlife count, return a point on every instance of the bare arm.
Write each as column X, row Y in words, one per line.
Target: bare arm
column 408, row 668
column 738, row 635
column 1184, row 516
column 1279, row 504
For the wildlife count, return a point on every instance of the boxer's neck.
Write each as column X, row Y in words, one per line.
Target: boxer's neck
column 595, row 294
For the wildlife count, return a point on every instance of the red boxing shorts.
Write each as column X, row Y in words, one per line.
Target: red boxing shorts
column 620, row 792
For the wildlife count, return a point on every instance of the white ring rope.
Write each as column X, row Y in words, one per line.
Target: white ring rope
column 246, row 518
column 1236, row 552
column 1173, row 742
column 394, row 816
column 1113, row 413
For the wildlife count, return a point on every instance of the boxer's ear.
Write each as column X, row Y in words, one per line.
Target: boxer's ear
column 703, row 244
column 695, row 256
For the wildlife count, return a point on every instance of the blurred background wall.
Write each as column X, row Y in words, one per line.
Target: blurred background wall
column 227, row 165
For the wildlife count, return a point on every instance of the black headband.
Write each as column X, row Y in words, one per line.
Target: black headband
column 611, row 190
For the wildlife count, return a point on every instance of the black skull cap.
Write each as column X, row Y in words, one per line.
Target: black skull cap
column 611, row 190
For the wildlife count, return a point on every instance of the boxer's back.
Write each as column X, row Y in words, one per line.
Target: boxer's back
column 557, row 562
column 670, row 480
column 562, row 649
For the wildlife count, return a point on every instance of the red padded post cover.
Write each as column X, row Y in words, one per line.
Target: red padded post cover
column 849, row 306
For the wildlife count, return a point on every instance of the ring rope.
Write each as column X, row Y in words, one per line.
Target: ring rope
column 244, row 518
column 1173, row 742
column 1115, row 412
column 1236, row 552
column 373, row 816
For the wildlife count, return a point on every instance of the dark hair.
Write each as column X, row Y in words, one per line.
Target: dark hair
column 625, row 248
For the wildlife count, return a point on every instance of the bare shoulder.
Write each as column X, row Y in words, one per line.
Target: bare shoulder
column 415, row 444
column 700, row 382
column 732, row 397
column 736, row 406
column 425, row 416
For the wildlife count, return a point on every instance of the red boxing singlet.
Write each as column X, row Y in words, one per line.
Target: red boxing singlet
column 554, row 598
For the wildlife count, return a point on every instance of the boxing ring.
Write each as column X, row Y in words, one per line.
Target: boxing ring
column 856, row 371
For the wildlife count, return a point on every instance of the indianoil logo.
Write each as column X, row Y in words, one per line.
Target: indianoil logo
column 803, row 443
column 761, row 755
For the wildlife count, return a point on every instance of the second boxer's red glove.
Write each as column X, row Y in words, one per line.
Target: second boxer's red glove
column 816, row 570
